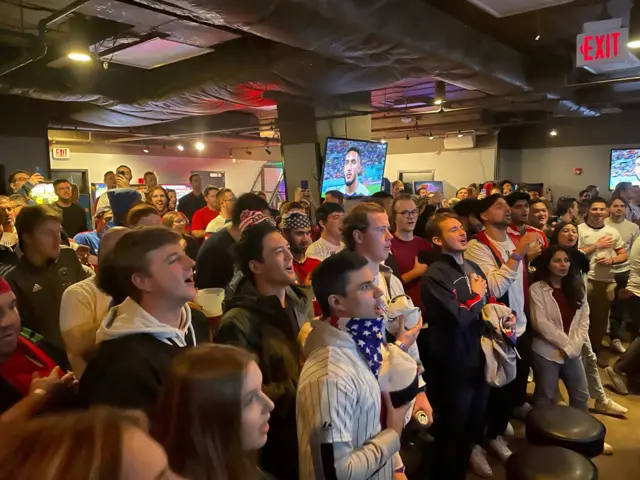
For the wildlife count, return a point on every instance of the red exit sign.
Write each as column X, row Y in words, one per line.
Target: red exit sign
column 60, row 153
column 596, row 47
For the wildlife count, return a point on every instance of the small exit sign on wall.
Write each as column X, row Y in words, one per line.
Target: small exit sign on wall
column 60, row 153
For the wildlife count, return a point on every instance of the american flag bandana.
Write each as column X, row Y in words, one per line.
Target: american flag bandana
column 295, row 221
column 369, row 338
column 251, row 217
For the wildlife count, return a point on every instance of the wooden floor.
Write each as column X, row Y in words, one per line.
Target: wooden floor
column 622, row 434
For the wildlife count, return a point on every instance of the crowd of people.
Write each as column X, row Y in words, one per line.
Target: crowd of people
column 348, row 328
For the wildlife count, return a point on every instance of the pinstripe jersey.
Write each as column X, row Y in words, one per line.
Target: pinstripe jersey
column 338, row 405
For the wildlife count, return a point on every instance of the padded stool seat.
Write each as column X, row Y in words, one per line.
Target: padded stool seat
column 566, row 427
column 543, row 463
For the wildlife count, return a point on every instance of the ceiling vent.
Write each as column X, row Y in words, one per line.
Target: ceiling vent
column 506, row 8
column 154, row 53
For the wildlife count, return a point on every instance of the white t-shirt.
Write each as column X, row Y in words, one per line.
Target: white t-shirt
column 629, row 232
column 501, row 280
column 216, row 224
column 588, row 236
column 321, row 249
column 360, row 191
column 634, row 272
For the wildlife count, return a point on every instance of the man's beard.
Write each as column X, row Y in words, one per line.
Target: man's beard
column 347, row 183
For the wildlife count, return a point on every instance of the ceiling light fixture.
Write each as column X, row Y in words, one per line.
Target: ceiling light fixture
column 431, row 137
column 439, row 93
column 268, row 150
column 79, row 57
column 384, row 140
column 248, row 151
column 634, row 44
column 199, row 146
column 145, row 149
column 537, row 37
column 553, row 132
column 460, row 134
column 406, row 137
column 180, row 147
column 233, row 160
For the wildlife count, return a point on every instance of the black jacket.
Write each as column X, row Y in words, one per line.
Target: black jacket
column 128, row 372
column 454, row 316
column 39, row 293
column 260, row 325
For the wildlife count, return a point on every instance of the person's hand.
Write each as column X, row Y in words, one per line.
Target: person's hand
column 82, row 252
column 52, row 383
column 604, row 261
column 422, row 404
column 526, row 242
column 478, row 284
column 395, row 416
column 419, row 268
column 121, row 181
column 535, row 249
column 408, row 337
column 35, row 179
column 298, row 194
column 604, row 243
column 399, row 476
column 511, row 321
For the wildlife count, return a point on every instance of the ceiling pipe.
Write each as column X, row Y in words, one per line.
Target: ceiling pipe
column 41, row 44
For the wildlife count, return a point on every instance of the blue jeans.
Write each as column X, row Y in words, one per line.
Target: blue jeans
column 572, row 374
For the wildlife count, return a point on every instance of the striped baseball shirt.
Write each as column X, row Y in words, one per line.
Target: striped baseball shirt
column 338, row 412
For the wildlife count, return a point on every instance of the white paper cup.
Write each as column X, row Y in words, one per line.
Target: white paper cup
column 210, row 300
column 411, row 318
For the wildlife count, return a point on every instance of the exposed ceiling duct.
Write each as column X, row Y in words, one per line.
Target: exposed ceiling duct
column 308, row 48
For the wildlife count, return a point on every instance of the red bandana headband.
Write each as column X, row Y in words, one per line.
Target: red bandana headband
column 4, row 286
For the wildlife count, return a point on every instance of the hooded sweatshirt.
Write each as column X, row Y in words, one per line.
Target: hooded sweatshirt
column 338, row 411
column 262, row 326
column 133, row 357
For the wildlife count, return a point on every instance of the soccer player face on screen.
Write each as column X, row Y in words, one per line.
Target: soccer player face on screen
column 352, row 167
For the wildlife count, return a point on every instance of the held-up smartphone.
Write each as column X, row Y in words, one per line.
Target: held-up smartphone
column 483, row 192
column 121, row 172
column 304, row 184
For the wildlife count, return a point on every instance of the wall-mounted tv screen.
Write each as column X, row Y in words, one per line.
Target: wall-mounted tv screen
column 354, row 167
column 624, row 167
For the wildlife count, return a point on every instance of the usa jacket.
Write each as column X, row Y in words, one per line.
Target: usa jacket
column 454, row 317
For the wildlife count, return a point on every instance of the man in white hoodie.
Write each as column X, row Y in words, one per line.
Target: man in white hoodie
column 150, row 278
column 338, row 405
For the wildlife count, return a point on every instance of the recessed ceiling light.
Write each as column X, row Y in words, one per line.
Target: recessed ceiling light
column 553, row 132
column 199, row 146
column 537, row 38
column 145, row 150
column 79, row 57
column 180, row 147
column 384, row 140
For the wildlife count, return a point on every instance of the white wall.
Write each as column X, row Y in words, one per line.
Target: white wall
column 239, row 176
column 555, row 167
column 456, row 168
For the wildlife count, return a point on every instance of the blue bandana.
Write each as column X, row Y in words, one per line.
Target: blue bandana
column 368, row 333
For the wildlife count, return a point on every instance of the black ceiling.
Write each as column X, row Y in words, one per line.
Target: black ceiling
column 495, row 70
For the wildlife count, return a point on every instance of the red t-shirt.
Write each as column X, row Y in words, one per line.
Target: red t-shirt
column 303, row 270
column 202, row 217
column 566, row 310
column 405, row 254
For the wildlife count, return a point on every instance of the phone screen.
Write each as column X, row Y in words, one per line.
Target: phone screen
column 304, row 184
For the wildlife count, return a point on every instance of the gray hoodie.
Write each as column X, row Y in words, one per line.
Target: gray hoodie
column 129, row 318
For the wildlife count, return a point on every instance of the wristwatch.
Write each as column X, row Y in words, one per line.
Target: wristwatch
column 516, row 257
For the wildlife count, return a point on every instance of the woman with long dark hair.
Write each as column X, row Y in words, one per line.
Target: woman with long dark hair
column 560, row 318
column 212, row 414
column 566, row 234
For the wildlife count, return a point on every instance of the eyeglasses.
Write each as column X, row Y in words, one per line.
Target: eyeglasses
column 408, row 213
column 179, row 221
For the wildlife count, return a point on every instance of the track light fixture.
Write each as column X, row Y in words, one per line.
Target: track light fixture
column 248, row 151
column 180, row 147
column 384, row 140
column 439, row 93
column 431, row 137
column 406, row 137
column 230, row 153
column 268, row 150
column 145, row 149
column 199, row 146
column 460, row 134
column 553, row 132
